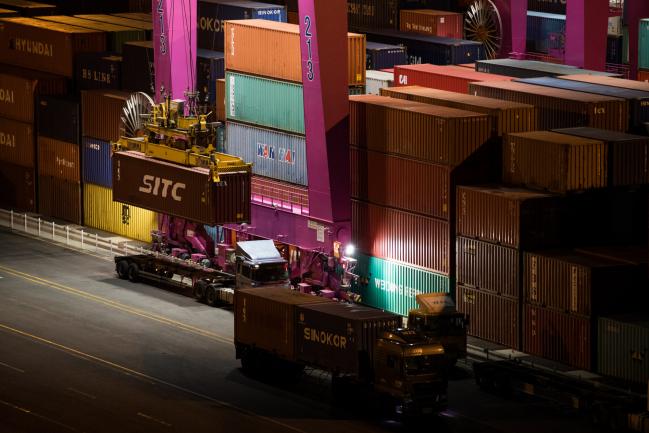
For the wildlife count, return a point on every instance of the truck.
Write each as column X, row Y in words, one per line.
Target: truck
column 256, row 264
column 282, row 330
column 438, row 319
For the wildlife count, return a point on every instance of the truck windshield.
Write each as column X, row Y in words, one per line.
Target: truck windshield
column 270, row 272
column 440, row 325
column 423, row 364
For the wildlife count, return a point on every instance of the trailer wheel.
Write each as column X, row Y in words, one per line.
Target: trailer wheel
column 211, row 295
column 134, row 273
column 200, row 287
column 122, row 269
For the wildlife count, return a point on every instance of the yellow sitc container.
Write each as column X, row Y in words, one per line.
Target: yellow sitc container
column 101, row 212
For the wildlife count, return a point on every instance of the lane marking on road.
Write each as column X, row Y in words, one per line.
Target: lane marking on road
column 19, row 370
column 37, row 415
column 85, row 394
column 117, row 305
column 154, row 419
column 137, row 374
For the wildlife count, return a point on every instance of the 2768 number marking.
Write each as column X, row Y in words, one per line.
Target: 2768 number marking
column 310, row 75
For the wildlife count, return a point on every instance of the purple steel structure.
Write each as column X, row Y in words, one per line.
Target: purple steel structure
column 586, row 31
column 174, row 42
column 634, row 10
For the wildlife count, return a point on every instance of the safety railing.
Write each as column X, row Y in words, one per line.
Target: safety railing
column 72, row 237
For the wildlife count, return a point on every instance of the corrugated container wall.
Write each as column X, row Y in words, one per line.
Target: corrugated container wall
column 404, row 237
column 248, row 99
column 99, row 71
column 147, row 26
column 101, row 212
column 545, row 32
column 46, row 46
column 643, row 41
column 376, row 80
column 213, row 15
column 532, row 68
column 559, row 108
column 433, row 134
column 101, row 113
column 46, row 84
column 220, row 100
column 432, row 22
column 385, row 14
column 97, row 163
column 506, row 116
column 491, row 267
column 622, row 348
column 628, row 162
column 59, row 159
column 558, row 336
column 282, row 195
column 450, row 78
column 17, row 143
column 29, row 8
column 18, row 190
column 59, row 118
column 274, row 154
column 554, row 162
column 492, row 317
column 272, row 49
column 17, row 96
column 210, row 66
column 383, row 56
column 137, row 59
column 394, row 286
column 60, row 198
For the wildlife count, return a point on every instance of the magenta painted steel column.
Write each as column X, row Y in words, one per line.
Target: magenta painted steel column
column 174, row 43
column 634, row 10
column 586, row 30
column 513, row 16
column 323, row 38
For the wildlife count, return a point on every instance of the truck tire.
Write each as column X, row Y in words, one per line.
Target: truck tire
column 133, row 272
column 211, row 295
column 122, row 269
column 200, row 288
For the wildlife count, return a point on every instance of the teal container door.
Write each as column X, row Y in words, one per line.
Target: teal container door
column 643, row 45
column 393, row 286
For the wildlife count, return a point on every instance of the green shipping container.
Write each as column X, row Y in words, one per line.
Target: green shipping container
column 643, row 44
column 392, row 286
column 623, row 347
column 264, row 102
column 625, row 45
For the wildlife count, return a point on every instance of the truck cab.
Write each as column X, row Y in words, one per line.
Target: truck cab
column 411, row 370
column 438, row 319
column 259, row 264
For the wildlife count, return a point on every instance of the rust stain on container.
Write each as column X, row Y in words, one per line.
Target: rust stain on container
column 401, row 236
column 272, row 49
column 512, row 217
column 60, row 198
column 448, row 77
column 560, row 108
column 18, row 190
column 46, row 46
column 486, row 266
column 59, row 159
column 181, row 191
column 101, row 112
column 17, row 143
column 433, row 134
column 491, row 317
column 561, row 337
column 579, row 283
column 554, row 162
column 505, row 116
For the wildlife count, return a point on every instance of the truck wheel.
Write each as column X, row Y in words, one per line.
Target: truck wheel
column 199, row 290
column 249, row 362
column 133, row 273
column 211, row 295
column 122, row 269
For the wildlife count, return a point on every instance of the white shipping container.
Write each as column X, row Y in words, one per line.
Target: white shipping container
column 375, row 80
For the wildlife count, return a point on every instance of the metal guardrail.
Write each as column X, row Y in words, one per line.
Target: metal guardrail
column 66, row 235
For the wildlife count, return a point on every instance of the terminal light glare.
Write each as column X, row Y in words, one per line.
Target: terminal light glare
column 350, row 250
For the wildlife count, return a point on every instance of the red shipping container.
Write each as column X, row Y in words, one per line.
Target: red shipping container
column 561, row 337
column 18, row 191
column 490, row 267
column 432, row 22
column 60, row 198
column 450, row 78
column 17, row 143
column 401, row 236
column 491, row 317
column 17, row 97
column 643, row 75
column 101, row 112
column 59, row 159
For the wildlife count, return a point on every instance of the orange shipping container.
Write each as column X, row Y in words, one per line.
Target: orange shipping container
column 17, row 97
column 58, row 159
column 46, row 46
column 16, row 142
column 432, row 23
column 272, row 49
column 220, row 100
column 102, row 113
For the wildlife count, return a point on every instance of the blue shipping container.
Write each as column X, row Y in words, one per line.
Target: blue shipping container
column 213, row 13
column 210, row 66
column 273, row 154
column 384, row 56
column 545, row 32
column 431, row 49
column 96, row 161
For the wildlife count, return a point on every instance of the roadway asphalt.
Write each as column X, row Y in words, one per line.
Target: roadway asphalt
column 82, row 351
